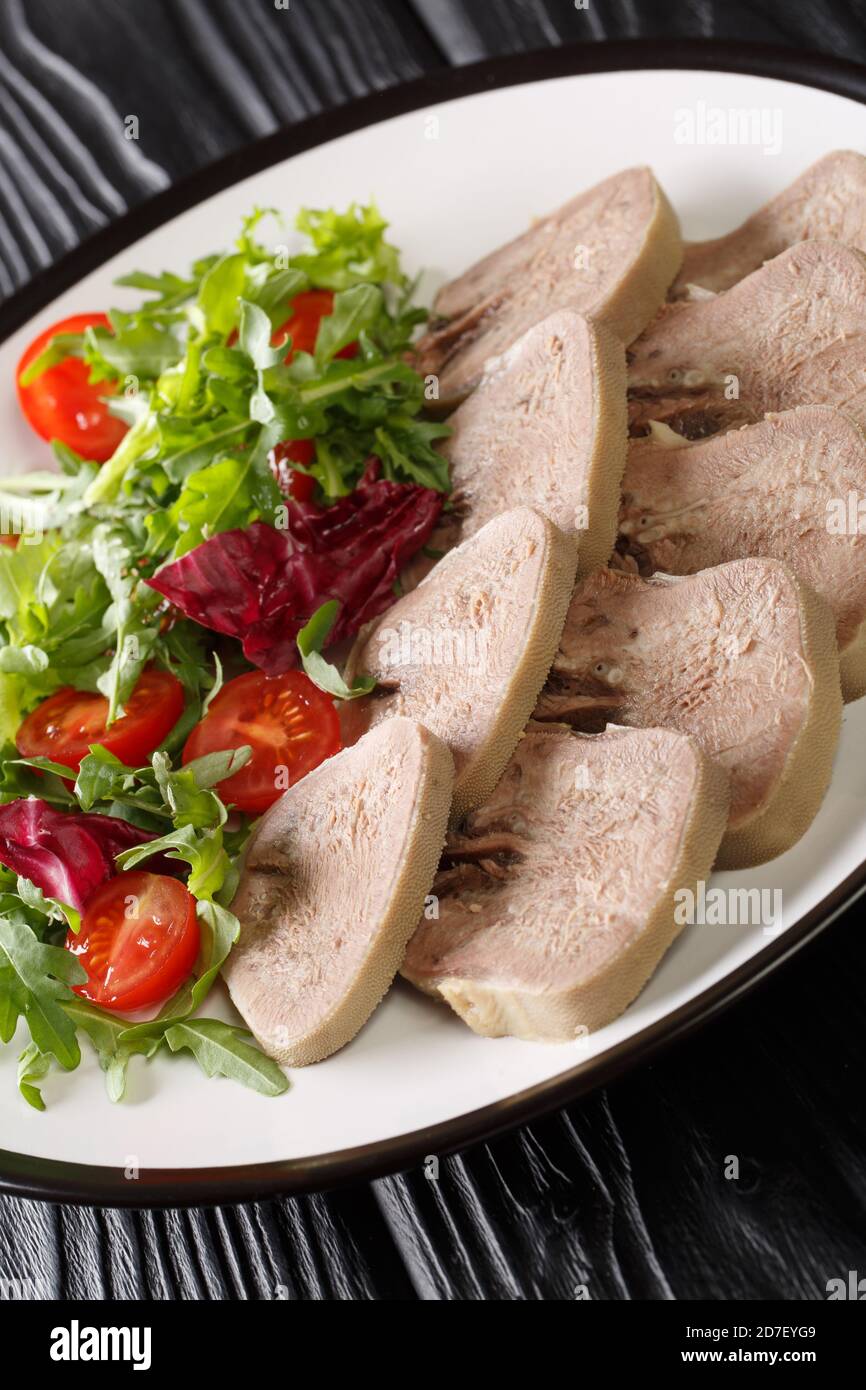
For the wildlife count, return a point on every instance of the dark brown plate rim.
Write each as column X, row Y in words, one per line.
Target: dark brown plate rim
column 53, row 1180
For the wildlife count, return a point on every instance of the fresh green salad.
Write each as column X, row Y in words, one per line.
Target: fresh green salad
column 242, row 466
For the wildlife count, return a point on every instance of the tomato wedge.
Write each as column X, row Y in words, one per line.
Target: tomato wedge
column 289, row 723
column 62, row 404
column 65, row 725
column 138, row 942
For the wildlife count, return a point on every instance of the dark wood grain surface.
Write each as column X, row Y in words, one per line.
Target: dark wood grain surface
column 623, row 1194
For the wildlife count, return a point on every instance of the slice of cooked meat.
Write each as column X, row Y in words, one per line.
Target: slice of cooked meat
column 547, row 425
column 334, row 881
column 466, row 653
column 743, row 657
column 827, row 201
column 781, row 488
column 556, row 899
column 610, row 253
column 793, row 333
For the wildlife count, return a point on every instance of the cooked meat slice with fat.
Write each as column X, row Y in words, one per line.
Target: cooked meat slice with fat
column 828, row 201
column 793, row 333
column 609, row 253
column 547, row 425
column 743, row 657
column 556, row 898
column 466, row 653
column 782, row 488
column 334, row 881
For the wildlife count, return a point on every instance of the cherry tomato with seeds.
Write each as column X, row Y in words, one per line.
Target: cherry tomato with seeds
column 62, row 403
column 64, row 726
column 290, row 724
column 138, row 942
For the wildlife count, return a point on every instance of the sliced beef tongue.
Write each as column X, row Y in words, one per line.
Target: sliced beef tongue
column 547, row 426
column 610, row 253
column 335, row 878
column 742, row 657
column 559, row 919
column 467, row 652
column 827, row 201
column 791, row 488
column 793, row 333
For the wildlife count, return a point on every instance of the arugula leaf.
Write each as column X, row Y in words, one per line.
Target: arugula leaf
column 138, row 347
column 212, row 768
column 101, row 776
column 182, row 651
column 221, row 1050
column 254, row 336
column 246, row 242
column 354, row 310
column 52, row 597
column 13, row 1000
column 188, row 796
column 62, row 345
column 33, row 1066
column 220, row 291
column 171, row 290
column 350, row 248
column 106, row 1033
column 52, row 908
column 227, row 363
column 278, row 291
column 44, row 974
column 133, row 635
column 190, row 445
column 138, row 443
column 36, row 502
column 311, row 640
column 404, row 445
column 17, row 780
column 23, row 661
column 255, row 340
column 184, row 797
column 202, row 850
column 23, row 597
column 229, row 493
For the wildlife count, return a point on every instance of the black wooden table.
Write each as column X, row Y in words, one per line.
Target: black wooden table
column 623, row 1193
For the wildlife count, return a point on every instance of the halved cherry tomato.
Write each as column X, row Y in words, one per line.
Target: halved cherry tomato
column 62, row 404
column 308, row 310
column 138, row 942
column 290, row 480
column 64, row 726
column 289, row 723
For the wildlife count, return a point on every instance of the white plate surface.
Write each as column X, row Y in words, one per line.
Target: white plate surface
column 498, row 160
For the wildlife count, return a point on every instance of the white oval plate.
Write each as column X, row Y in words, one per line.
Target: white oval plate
column 455, row 178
